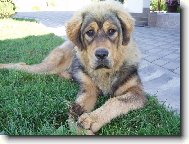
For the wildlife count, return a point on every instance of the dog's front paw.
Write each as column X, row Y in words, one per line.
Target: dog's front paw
column 77, row 130
column 88, row 122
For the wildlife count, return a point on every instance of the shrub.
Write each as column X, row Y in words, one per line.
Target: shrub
column 154, row 5
column 7, row 8
column 36, row 8
column 122, row 1
column 51, row 3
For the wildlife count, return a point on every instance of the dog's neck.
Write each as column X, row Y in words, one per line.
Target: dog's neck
column 108, row 80
column 103, row 79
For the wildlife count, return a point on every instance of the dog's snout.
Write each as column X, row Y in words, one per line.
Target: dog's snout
column 101, row 53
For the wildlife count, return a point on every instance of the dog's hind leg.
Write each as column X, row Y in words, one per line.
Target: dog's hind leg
column 56, row 62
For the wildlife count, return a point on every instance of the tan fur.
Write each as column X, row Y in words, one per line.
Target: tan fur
column 120, row 80
column 111, row 109
column 132, row 82
column 57, row 62
column 88, row 99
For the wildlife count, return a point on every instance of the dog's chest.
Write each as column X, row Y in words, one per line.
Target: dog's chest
column 104, row 82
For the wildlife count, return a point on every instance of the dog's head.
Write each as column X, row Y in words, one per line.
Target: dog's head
column 101, row 32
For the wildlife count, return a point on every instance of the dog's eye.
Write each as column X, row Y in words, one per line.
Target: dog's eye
column 90, row 33
column 111, row 32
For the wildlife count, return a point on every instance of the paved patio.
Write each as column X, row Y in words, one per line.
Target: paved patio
column 160, row 66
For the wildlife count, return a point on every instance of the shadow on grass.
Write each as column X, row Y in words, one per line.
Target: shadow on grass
column 37, row 105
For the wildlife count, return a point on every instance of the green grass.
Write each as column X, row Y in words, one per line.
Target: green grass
column 37, row 105
column 23, row 19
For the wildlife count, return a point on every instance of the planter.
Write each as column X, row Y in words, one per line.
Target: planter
column 164, row 20
column 172, row 8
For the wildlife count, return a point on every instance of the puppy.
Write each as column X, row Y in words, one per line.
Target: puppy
column 103, row 58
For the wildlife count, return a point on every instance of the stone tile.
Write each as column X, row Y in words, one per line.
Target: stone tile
column 176, row 43
column 153, row 86
column 161, row 43
column 171, row 98
column 171, row 56
column 152, row 58
column 171, row 66
column 174, row 47
column 144, row 64
column 169, row 40
column 177, row 71
column 144, row 55
column 165, row 53
column 148, row 76
column 145, row 47
column 177, row 60
column 154, row 51
column 177, row 52
column 160, row 62
column 148, row 69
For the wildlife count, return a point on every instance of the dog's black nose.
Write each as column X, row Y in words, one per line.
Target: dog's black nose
column 101, row 54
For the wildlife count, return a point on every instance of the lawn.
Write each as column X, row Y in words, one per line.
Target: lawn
column 33, row 104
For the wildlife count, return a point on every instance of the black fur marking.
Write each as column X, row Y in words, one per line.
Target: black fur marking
column 128, row 99
column 124, row 74
column 138, row 96
column 80, row 41
column 75, row 111
column 102, row 66
column 75, row 68
column 83, row 91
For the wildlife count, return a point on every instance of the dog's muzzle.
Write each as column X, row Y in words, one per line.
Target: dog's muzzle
column 102, row 61
column 101, row 54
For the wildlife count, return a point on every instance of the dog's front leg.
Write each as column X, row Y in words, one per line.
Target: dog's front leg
column 85, row 101
column 114, row 107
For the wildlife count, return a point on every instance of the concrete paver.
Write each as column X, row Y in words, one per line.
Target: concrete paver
column 160, row 65
column 171, row 66
column 161, row 62
column 177, row 71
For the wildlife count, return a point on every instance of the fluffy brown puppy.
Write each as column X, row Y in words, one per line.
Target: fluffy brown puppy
column 102, row 57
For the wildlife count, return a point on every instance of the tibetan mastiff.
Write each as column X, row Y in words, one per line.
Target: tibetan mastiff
column 102, row 57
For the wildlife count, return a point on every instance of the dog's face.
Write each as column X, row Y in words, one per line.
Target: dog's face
column 102, row 36
column 100, row 39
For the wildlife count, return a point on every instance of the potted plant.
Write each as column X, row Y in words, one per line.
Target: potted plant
column 172, row 5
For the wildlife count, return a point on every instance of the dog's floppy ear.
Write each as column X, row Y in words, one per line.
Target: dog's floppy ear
column 127, row 25
column 73, row 30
